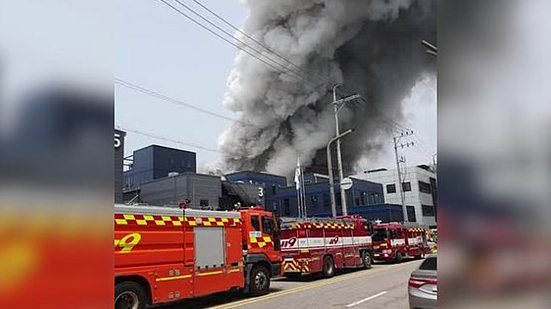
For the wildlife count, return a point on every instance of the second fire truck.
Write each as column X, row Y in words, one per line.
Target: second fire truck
column 166, row 254
column 395, row 241
column 322, row 245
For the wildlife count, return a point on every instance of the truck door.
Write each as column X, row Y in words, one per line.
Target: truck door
column 270, row 234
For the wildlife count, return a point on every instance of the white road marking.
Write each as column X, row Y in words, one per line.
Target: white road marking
column 365, row 299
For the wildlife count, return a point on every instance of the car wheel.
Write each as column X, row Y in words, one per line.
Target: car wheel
column 259, row 281
column 328, row 267
column 130, row 295
column 399, row 257
column 366, row 260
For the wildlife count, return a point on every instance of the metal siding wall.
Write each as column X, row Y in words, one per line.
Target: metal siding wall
column 205, row 188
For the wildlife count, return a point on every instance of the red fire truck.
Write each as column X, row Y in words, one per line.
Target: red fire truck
column 166, row 254
column 395, row 241
column 321, row 245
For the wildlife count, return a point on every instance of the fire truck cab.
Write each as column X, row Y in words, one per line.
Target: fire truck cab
column 167, row 254
column 321, row 245
column 395, row 241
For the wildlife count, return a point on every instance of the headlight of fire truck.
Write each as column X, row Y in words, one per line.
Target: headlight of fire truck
column 387, row 251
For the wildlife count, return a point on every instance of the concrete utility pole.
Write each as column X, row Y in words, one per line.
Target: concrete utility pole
column 330, row 171
column 396, row 140
column 337, row 105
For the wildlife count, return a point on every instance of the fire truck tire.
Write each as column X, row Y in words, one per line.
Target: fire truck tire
column 259, row 281
column 421, row 255
column 399, row 257
column 328, row 267
column 366, row 260
column 130, row 294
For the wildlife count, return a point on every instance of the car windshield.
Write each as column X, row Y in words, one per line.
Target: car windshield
column 429, row 263
column 379, row 234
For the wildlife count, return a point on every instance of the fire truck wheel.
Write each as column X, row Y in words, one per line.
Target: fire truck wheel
column 328, row 267
column 259, row 281
column 129, row 295
column 398, row 257
column 366, row 260
column 421, row 255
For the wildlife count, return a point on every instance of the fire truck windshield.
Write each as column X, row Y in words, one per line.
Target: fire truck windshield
column 380, row 234
column 269, row 227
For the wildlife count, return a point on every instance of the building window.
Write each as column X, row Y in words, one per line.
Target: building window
column 364, row 198
column 406, row 186
column 371, row 199
column 287, row 207
column 411, row 213
column 204, row 203
column 391, row 188
column 428, row 211
column 357, row 201
column 424, row 187
column 255, row 223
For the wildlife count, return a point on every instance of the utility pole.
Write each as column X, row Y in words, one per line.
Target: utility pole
column 337, row 105
column 397, row 145
column 330, row 171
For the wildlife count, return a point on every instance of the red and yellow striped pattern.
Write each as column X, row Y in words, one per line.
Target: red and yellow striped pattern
column 144, row 220
column 293, row 266
column 332, row 225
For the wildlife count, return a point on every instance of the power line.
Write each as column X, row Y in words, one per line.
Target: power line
column 166, row 139
column 285, row 69
column 225, row 21
column 232, row 36
column 163, row 97
column 389, row 120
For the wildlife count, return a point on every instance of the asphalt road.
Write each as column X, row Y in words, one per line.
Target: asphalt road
column 383, row 286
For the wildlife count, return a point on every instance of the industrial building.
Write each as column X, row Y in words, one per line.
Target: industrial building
column 202, row 191
column 167, row 176
column 419, row 189
column 154, row 162
column 364, row 198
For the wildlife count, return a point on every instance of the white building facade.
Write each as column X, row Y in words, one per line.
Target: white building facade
column 419, row 186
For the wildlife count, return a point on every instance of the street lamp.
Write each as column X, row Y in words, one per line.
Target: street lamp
column 338, row 105
column 330, row 170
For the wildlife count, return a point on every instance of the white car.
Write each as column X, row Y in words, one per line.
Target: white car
column 422, row 285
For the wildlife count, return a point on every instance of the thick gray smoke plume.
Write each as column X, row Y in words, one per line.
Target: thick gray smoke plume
column 371, row 46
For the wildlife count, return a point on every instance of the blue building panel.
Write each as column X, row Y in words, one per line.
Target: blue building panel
column 154, row 162
column 362, row 195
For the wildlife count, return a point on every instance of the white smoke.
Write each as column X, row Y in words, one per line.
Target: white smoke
column 282, row 116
